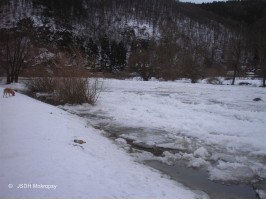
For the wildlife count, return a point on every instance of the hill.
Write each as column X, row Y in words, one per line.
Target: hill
column 169, row 39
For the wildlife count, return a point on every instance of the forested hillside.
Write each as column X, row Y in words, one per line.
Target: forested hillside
column 149, row 38
column 248, row 11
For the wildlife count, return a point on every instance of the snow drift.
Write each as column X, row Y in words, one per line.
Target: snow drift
column 40, row 160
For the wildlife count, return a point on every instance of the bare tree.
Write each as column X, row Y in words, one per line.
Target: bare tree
column 234, row 55
column 190, row 66
column 140, row 62
column 14, row 48
column 262, row 52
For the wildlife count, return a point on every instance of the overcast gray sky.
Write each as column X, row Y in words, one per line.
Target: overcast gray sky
column 200, row 1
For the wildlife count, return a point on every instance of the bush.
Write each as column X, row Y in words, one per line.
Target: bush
column 71, row 87
column 72, row 90
column 214, row 81
column 41, row 84
column 93, row 90
column 77, row 90
column 244, row 83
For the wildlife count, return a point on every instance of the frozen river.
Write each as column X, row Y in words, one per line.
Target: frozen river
column 217, row 131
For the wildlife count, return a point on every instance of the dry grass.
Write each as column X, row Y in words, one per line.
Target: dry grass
column 72, row 90
column 70, row 83
column 77, row 90
column 42, row 84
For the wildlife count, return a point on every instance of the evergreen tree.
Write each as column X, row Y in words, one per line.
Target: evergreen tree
column 114, row 57
column 92, row 49
column 122, row 56
column 105, row 54
column 92, row 52
column 118, row 56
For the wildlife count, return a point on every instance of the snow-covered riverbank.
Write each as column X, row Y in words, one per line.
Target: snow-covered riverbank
column 40, row 160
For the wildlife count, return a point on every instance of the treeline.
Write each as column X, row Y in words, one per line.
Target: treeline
column 248, row 11
column 151, row 38
column 249, row 18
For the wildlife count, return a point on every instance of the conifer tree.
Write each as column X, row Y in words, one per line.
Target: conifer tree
column 105, row 54
column 122, row 56
column 92, row 52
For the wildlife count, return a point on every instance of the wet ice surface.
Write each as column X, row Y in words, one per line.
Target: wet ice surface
column 216, row 128
column 197, row 180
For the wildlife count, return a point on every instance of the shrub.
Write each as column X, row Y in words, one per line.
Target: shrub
column 71, row 87
column 72, row 90
column 214, row 81
column 93, row 90
column 77, row 90
column 244, row 83
column 41, row 84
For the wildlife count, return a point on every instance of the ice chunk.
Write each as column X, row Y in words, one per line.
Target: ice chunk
column 224, row 157
column 201, row 152
column 261, row 193
column 150, row 143
column 172, row 146
column 171, row 156
column 231, row 172
column 197, row 162
column 187, row 156
column 168, row 154
column 121, row 141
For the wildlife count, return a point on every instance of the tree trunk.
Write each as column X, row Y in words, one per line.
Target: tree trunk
column 234, row 77
column 12, row 76
column 264, row 77
column 16, row 78
column 8, row 79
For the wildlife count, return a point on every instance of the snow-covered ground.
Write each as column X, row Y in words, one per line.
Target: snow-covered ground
column 37, row 154
column 217, row 127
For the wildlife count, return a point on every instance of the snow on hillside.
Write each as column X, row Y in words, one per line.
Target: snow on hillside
column 37, row 154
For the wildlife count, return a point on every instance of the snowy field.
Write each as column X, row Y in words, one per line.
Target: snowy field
column 216, row 127
column 40, row 160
